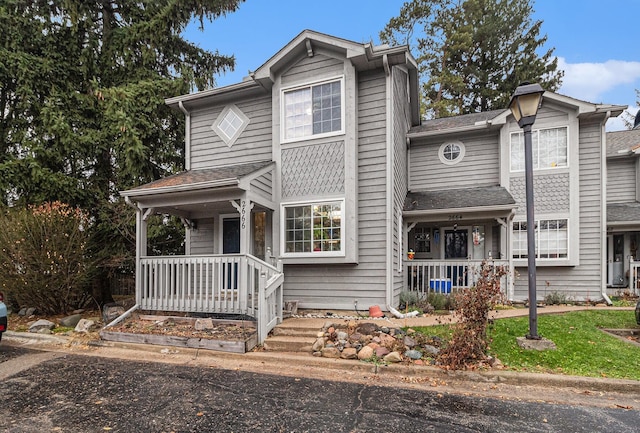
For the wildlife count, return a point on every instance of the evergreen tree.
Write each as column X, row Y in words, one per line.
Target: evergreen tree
column 473, row 54
column 82, row 112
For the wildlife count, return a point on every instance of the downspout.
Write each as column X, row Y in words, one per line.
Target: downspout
column 187, row 136
column 603, row 212
column 389, row 184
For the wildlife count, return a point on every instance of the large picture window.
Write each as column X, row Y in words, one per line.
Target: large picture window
column 313, row 228
column 549, row 149
column 313, row 110
column 552, row 240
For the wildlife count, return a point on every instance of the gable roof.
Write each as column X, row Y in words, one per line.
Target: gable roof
column 623, row 143
column 191, row 180
column 463, row 122
column 479, row 198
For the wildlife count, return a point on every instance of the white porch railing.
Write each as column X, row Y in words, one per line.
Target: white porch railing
column 634, row 276
column 447, row 276
column 229, row 284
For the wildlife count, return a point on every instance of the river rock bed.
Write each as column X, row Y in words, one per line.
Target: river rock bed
column 371, row 342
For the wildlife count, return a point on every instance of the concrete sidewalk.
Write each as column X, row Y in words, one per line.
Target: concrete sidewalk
column 317, row 318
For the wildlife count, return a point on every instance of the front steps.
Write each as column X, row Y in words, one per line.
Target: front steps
column 291, row 338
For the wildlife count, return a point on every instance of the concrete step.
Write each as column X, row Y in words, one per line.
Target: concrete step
column 295, row 331
column 288, row 343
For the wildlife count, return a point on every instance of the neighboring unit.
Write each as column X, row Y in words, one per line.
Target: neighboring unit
column 313, row 178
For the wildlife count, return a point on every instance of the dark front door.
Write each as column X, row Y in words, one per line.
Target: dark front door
column 230, row 245
column 455, row 244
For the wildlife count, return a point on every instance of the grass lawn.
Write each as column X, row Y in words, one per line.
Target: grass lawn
column 582, row 348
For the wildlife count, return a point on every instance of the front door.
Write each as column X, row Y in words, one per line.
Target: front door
column 230, row 245
column 456, row 244
column 456, row 247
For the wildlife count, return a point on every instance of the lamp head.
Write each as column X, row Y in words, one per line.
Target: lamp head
column 525, row 102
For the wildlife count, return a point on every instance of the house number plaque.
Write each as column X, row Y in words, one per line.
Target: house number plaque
column 455, row 217
column 243, row 213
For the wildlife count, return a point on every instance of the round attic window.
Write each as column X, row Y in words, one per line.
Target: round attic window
column 451, row 152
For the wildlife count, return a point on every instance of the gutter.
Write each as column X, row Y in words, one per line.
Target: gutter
column 468, row 128
column 180, row 188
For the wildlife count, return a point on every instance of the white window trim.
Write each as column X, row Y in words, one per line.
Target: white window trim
column 216, row 125
column 284, row 90
column 557, row 168
column 567, row 261
column 283, row 229
column 451, row 161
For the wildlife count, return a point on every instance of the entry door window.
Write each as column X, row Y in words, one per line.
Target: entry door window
column 455, row 244
column 231, row 236
column 230, row 245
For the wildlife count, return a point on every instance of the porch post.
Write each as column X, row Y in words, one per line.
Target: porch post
column 141, row 251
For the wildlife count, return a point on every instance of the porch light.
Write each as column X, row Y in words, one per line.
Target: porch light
column 524, row 107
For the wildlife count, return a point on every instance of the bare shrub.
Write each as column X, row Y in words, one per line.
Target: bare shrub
column 469, row 342
column 43, row 258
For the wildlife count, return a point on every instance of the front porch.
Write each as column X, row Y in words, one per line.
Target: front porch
column 450, row 276
column 237, row 284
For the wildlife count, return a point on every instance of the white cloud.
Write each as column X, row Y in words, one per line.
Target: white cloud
column 590, row 81
column 618, row 123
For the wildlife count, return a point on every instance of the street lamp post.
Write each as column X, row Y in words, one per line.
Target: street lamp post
column 524, row 107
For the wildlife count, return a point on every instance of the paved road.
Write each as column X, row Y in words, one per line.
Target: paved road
column 61, row 392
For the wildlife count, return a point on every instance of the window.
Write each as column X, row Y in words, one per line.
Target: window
column 549, row 149
column 451, row 153
column 314, row 228
column 313, row 110
column 230, row 124
column 552, row 239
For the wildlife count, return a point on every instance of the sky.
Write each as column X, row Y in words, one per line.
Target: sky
column 596, row 41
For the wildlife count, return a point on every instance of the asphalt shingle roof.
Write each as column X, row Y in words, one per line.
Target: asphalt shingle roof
column 623, row 212
column 453, row 122
column 192, row 177
column 622, row 140
column 458, row 198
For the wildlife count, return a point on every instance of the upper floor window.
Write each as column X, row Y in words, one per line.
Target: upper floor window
column 230, row 124
column 549, row 149
column 451, row 152
column 313, row 110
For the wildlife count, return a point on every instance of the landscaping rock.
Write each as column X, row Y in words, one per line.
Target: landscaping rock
column 365, row 353
column 40, row 325
column 349, row 353
column 111, row 312
column 381, row 352
column 368, row 329
column 85, row 325
column 203, row 324
column 409, row 342
column 413, row 354
column 393, row 357
column 431, row 350
column 330, row 352
column 30, row 312
column 70, row 321
column 342, row 335
column 387, row 340
column 22, row 312
column 318, row 345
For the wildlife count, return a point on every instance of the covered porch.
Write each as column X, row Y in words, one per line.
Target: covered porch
column 623, row 242
column 227, row 268
column 449, row 234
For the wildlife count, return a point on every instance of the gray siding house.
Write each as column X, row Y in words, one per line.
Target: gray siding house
column 623, row 209
column 313, row 178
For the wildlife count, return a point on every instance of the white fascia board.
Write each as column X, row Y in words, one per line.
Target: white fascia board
column 180, row 188
column 469, row 128
column 462, row 210
column 209, row 93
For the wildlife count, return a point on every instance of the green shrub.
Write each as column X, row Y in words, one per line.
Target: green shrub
column 43, row 258
column 555, row 298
